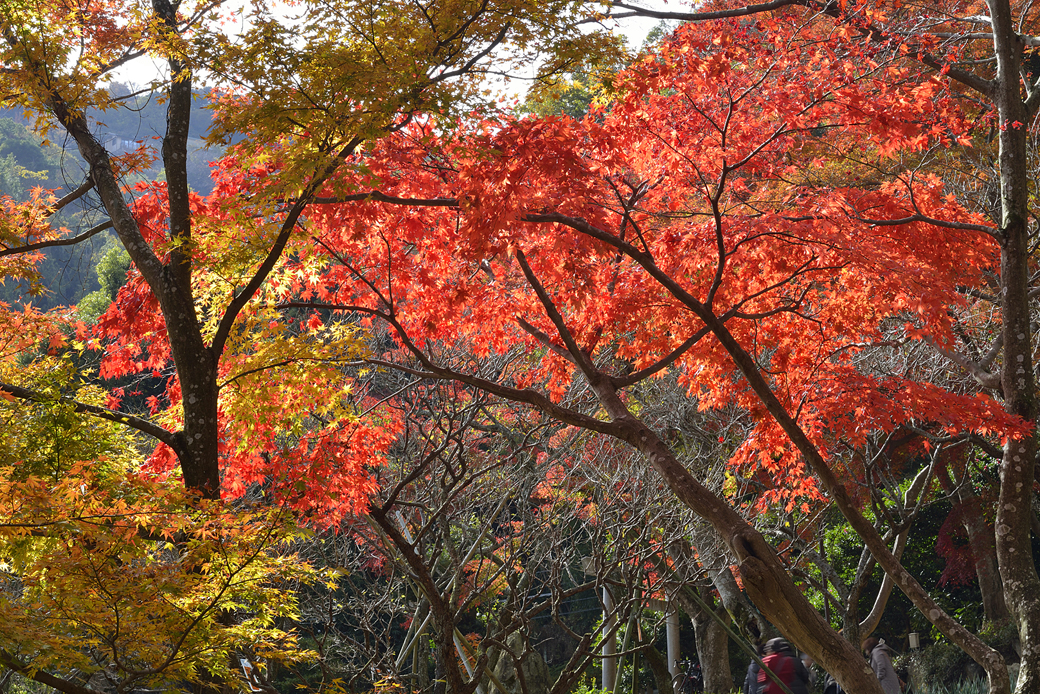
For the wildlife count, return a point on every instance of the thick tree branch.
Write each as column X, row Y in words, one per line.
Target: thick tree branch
column 980, row 372
column 175, row 153
column 101, row 173
column 978, row 650
column 240, row 300
column 636, row 11
column 377, row 196
column 961, row 226
column 8, row 660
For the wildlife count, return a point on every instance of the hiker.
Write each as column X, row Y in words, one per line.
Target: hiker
column 751, row 685
column 781, row 660
column 880, row 654
column 808, row 662
column 831, row 686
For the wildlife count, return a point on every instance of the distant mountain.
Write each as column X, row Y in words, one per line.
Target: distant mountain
column 139, row 120
column 25, row 162
column 140, row 117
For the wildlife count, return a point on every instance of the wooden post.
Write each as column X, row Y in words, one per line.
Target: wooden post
column 609, row 643
column 672, row 633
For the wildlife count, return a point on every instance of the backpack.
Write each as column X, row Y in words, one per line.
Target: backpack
column 783, row 665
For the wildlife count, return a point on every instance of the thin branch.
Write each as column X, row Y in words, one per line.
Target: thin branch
column 8, row 660
column 391, row 199
column 580, row 357
column 143, row 425
column 831, row 9
column 236, row 305
column 637, row 376
column 72, row 196
column 962, row 226
column 71, row 241
column 545, row 340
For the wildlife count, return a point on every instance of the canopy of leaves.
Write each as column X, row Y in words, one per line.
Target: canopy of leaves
column 691, row 195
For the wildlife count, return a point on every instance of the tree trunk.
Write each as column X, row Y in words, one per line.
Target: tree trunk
column 983, row 546
column 659, row 666
column 1013, row 542
column 196, row 444
column 981, row 653
column 766, row 580
column 713, row 648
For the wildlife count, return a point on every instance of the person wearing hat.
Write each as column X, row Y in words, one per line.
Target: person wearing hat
column 880, row 654
column 780, row 658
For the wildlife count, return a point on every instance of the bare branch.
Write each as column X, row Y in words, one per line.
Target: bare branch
column 72, row 196
column 980, row 372
column 637, row 11
column 8, row 660
column 71, row 241
column 962, row 226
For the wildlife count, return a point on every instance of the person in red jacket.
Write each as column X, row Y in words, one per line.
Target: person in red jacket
column 780, row 658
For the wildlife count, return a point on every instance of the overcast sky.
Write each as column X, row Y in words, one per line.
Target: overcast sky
column 144, row 70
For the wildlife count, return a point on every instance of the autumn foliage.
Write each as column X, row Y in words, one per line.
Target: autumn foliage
column 716, row 183
column 755, row 200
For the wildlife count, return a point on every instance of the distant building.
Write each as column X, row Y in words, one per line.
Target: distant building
column 117, row 145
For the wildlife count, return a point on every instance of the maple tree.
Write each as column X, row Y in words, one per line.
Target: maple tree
column 977, row 48
column 242, row 396
column 683, row 229
column 108, row 570
column 56, row 74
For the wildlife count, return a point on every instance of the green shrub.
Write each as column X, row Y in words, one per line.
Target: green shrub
column 976, row 686
column 948, row 670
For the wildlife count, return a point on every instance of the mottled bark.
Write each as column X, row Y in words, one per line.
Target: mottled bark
column 713, row 649
column 1013, row 542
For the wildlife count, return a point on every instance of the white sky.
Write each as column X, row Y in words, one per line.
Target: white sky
column 144, row 70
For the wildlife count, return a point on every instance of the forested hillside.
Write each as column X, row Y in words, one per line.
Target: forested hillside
column 28, row 161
